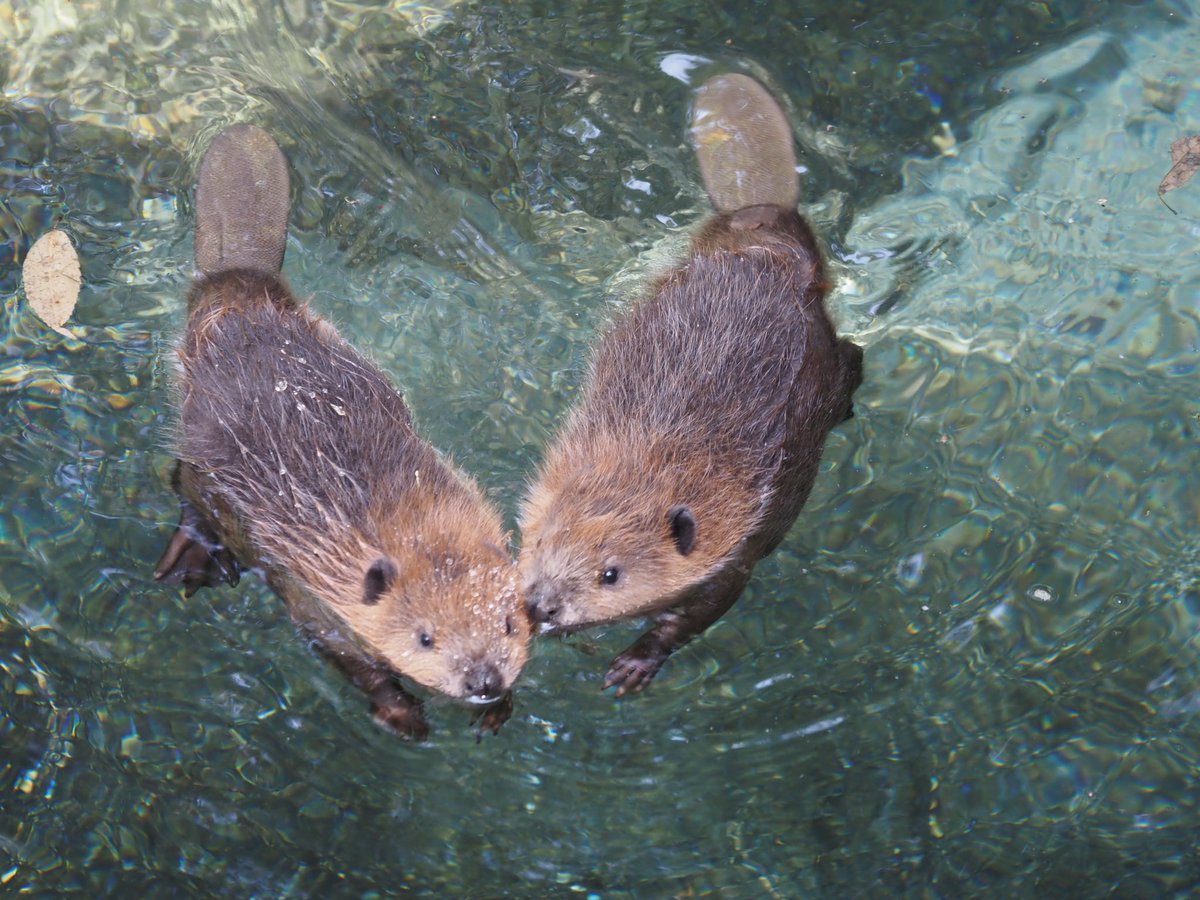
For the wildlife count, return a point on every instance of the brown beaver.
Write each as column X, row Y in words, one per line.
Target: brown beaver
column 703, row 417
column 298, row 457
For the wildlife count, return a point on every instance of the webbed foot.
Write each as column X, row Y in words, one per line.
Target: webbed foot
column 490, row 718
column 194, row 559
column 401, row 716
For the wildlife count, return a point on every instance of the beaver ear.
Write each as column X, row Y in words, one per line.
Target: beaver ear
column 683, row 528
column 380, row 576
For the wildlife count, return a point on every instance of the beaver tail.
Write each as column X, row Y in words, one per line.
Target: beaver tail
column 744, row 145
column 242, row 203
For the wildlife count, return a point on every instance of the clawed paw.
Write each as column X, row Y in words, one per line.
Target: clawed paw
column 632, row 670
column 490, row 718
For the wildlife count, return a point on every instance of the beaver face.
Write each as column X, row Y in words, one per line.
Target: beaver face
column 588, row 559
column 455, row 625
column 621, row 521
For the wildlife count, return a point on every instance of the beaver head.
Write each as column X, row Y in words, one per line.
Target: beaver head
column 435, row 595
column 620, row 524
column 453, row 624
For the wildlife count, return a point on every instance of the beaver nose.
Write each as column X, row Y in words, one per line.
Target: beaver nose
column 483, row 681
column 542, row 604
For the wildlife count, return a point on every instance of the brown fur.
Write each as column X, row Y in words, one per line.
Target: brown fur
column 284, row 423
column 714, row 394
column 299, row 458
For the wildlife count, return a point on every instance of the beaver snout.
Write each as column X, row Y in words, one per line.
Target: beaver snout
column 543, row 604
column 483, row 683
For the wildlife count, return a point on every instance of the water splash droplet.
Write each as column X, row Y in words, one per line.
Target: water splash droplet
column 1042, row 593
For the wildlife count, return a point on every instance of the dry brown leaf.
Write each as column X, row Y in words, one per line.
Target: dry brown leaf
column 1185, row 159
column 52, row 279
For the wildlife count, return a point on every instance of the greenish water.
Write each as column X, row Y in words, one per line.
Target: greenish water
column 973, row 666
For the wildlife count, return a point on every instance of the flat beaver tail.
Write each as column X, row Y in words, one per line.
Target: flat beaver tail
column 744, row 145
column 242, row 203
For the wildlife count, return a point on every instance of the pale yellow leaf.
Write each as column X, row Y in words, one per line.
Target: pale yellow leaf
column 52, row 279
column 1185, row 159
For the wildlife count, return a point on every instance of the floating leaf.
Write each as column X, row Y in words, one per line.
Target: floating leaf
column 1185, row 159
column 51, row 274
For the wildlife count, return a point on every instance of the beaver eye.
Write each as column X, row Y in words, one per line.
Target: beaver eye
column 610, row 575
column 426, row 639
column 508, row 625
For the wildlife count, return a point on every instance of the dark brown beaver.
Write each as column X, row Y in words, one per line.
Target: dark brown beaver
column 703, row 418
column 297, row 457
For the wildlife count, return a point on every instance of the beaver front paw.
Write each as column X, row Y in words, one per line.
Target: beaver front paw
column 401, row 718
column 490, row 718
column 632, row 670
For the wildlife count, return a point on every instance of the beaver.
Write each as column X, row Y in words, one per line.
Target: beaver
column 298, row 458
column 702, row 419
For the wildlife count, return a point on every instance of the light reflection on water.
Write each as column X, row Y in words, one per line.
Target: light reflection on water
column 971, row 666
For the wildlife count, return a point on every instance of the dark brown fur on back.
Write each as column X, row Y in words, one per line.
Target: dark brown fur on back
column 297, row 422
column 732, row 356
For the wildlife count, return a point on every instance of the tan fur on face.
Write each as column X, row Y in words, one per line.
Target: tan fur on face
column 455, row 584
column 603, row 499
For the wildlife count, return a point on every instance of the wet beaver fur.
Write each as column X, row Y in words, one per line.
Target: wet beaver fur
column 703, row 417
column 299, row 458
